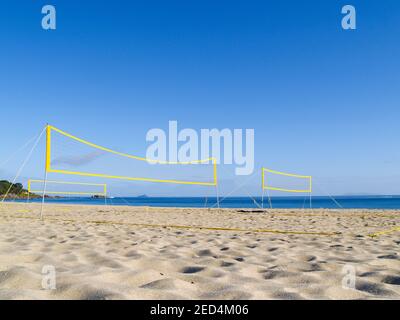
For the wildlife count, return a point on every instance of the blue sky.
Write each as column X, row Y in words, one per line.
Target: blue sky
column 322, row 101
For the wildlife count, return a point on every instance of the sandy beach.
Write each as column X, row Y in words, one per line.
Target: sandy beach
column 105, row 252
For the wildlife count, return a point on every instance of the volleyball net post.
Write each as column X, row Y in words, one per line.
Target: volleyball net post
column 47, row 163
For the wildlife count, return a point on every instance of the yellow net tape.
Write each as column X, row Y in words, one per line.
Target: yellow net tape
column 103, row 185
column 265, row 186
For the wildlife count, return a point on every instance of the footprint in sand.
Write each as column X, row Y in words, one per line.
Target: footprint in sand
column 163, row 284
column 240, row 259
column 274, row 274
column 287, row 295
column 226, row 264
column 390, row 279
column 205, row 253
column 133, row 254
column 389, row 256
column 192, row 269
column 373, row 288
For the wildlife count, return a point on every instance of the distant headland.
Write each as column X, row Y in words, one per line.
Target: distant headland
column 15, row 191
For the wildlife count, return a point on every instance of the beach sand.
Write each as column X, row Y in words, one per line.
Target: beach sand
column 105, row 252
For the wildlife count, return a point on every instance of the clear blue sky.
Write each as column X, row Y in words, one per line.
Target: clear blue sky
column 322, row 101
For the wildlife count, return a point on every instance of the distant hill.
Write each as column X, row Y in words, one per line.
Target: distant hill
column 16, row 190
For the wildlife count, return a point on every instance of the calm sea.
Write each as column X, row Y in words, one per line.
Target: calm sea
column 350, row 202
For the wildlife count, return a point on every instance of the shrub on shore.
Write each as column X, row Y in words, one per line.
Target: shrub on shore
column 15, row 190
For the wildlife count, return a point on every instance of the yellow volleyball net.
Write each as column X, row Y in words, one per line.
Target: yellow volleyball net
column 68, row 154
column 267, row 185
column 53, row 187
column 273, row 180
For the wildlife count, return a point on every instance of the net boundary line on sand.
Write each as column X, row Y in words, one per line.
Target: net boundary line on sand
column 284, row 215
column 372, row 235
column 383, row 232
column 330, row 234
column 65, row 207
column 146, row 225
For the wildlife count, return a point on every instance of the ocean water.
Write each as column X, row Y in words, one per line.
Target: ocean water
column 346, row 202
